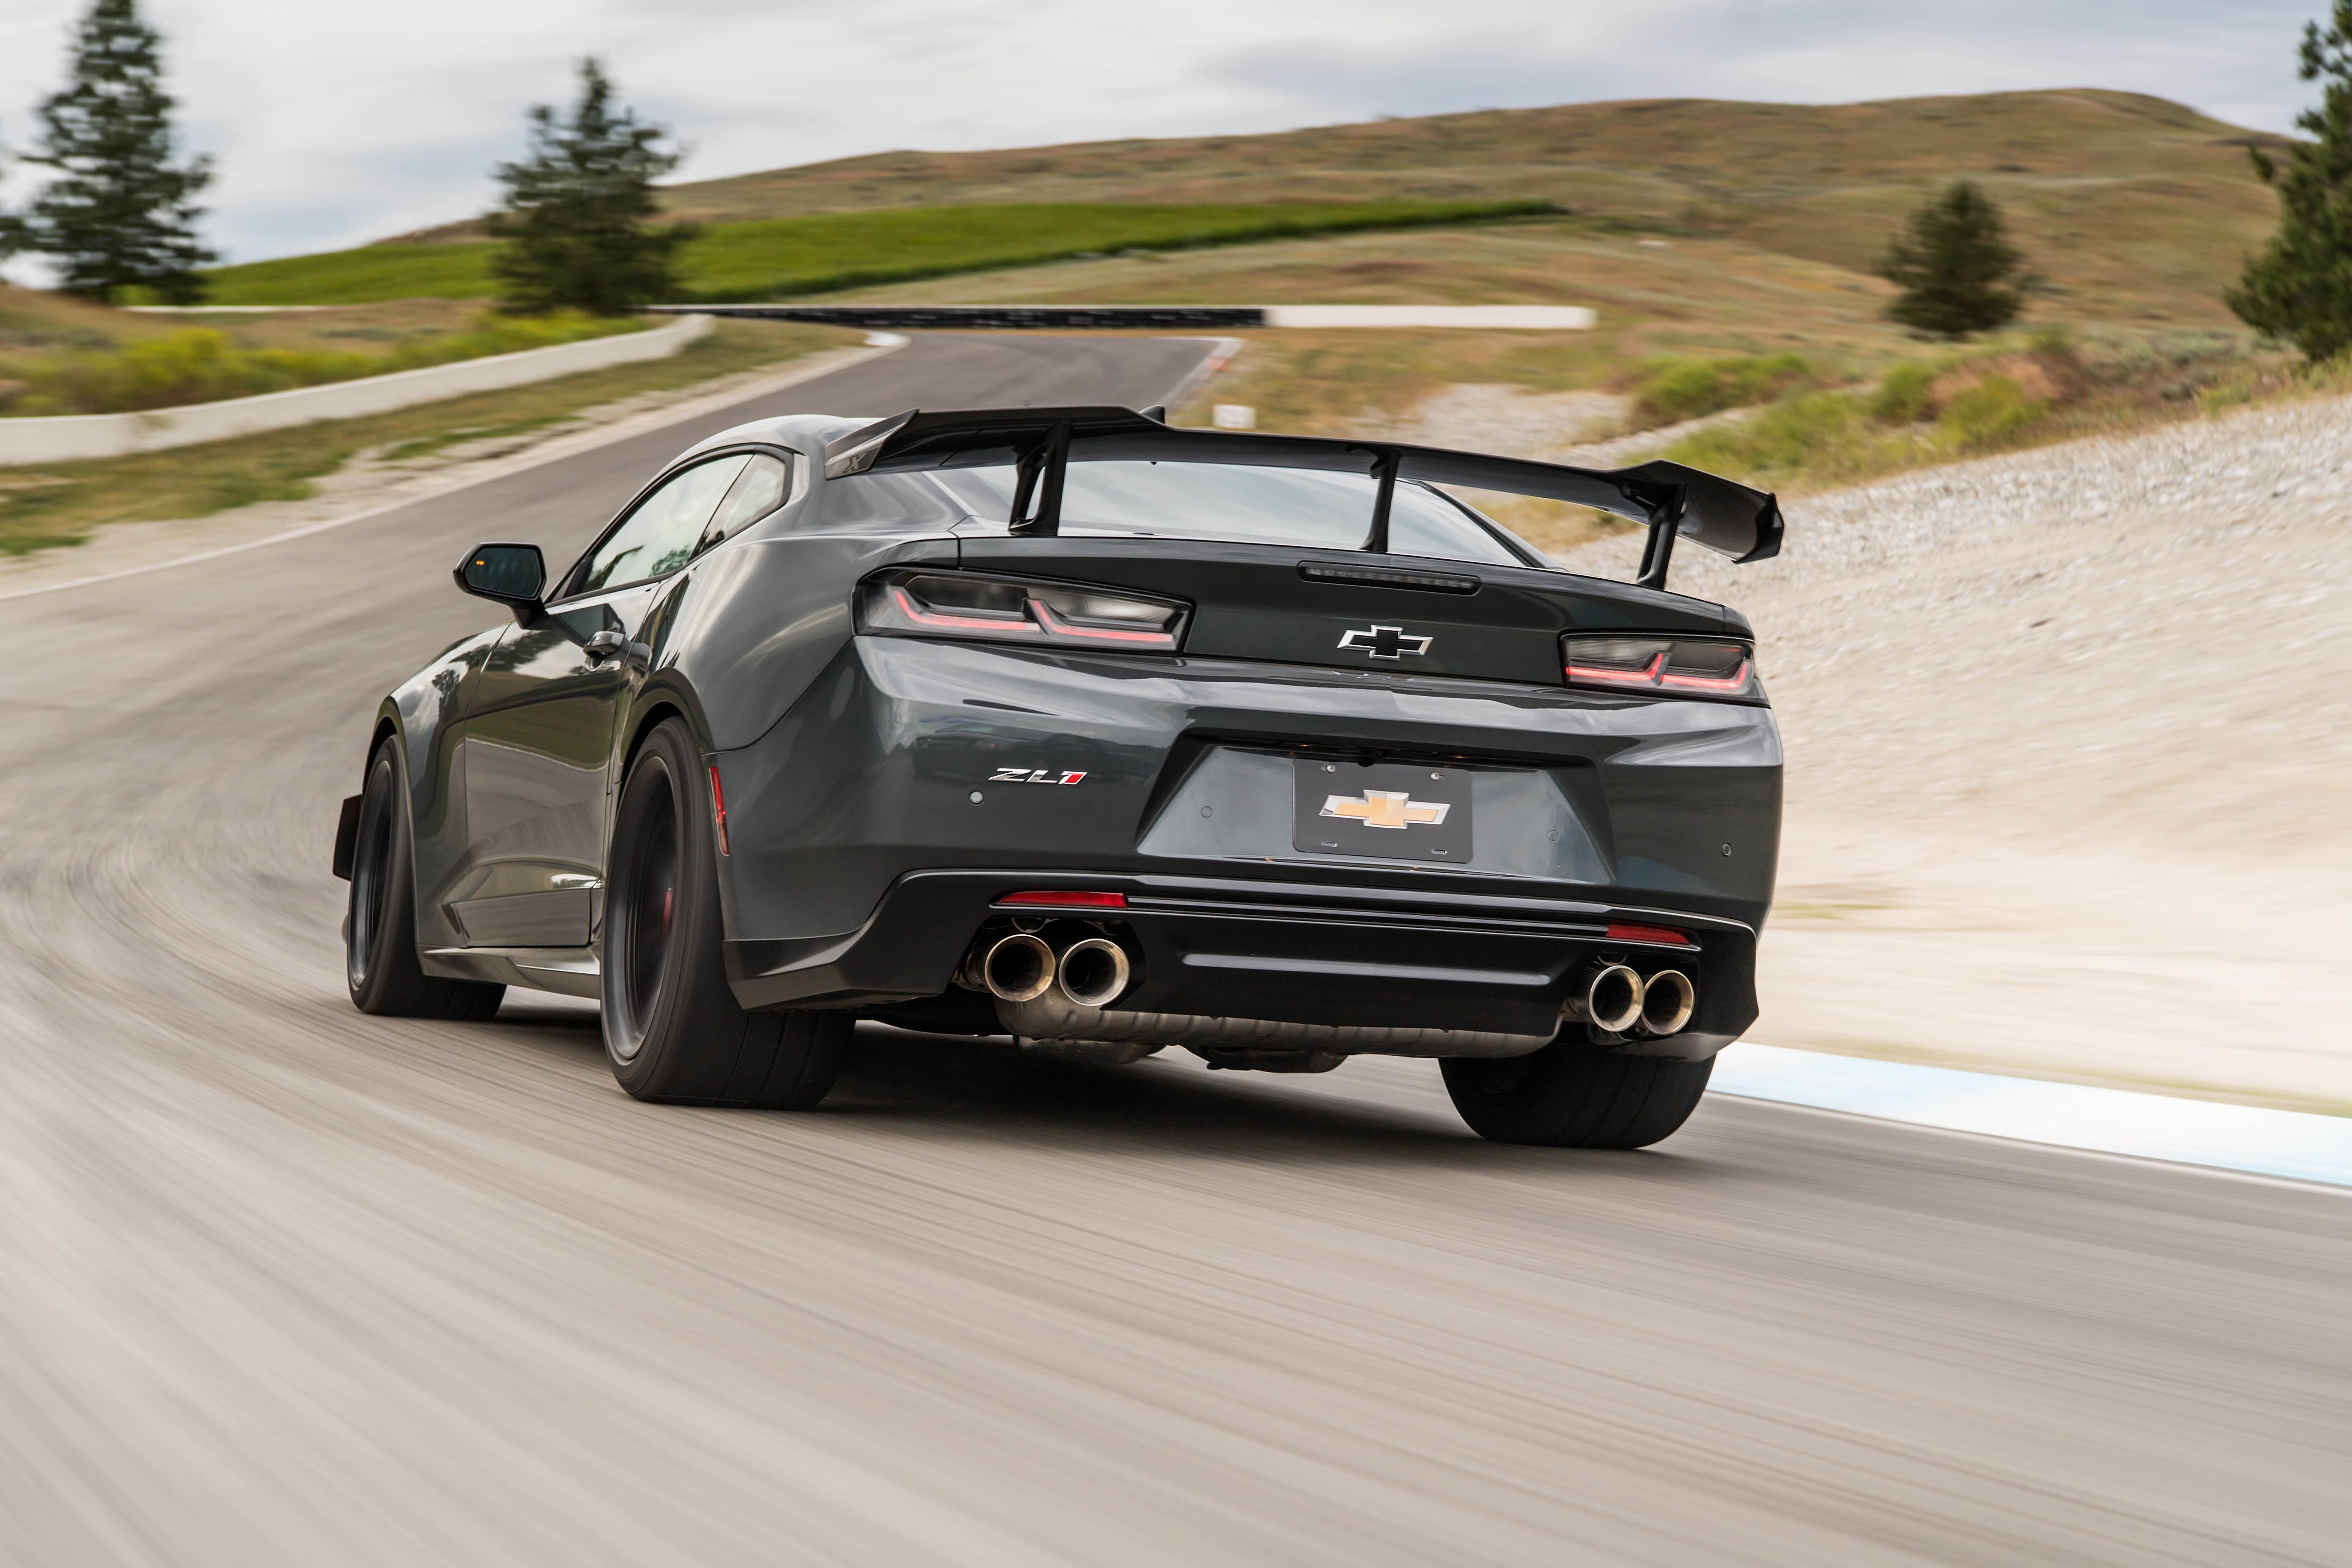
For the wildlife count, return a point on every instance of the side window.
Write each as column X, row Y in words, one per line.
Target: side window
column 758, row 490
column 660, row 536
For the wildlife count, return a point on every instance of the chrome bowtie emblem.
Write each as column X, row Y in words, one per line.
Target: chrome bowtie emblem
column 1385, row 642
column 1386, row 808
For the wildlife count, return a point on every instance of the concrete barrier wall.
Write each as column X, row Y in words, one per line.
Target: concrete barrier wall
column 76, row 437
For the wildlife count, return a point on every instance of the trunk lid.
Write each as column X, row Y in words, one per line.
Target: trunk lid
column 1401, row 615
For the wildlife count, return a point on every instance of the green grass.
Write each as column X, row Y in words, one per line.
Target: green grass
column 776, row 257
column 60, row 503
column 357, row 277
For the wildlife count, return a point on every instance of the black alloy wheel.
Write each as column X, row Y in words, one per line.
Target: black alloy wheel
column 1575, row 1094
column 672, row 1028
column 380, row 963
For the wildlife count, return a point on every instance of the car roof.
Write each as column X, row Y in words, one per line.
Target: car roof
column 806, row 433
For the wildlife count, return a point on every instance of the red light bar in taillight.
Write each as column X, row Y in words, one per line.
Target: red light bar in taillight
column 913, row 602
column 1667, row 934
column 1064, row 900
column 1722, row 669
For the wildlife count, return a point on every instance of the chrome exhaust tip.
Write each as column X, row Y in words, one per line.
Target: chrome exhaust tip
column 1093, row 973
column 1612, row 998
column 1018, row 969
column 1668, row 999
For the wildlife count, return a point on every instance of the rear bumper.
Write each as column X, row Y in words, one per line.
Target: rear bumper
column 914, row 782
column 1289, row 951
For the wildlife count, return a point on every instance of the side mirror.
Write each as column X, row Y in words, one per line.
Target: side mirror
column 513, row 575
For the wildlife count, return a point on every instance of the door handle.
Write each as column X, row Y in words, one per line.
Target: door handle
column 604, row 645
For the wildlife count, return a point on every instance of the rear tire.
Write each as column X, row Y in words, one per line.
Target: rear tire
column 672, row 1028
column 380, row 923
column 1573, row 1094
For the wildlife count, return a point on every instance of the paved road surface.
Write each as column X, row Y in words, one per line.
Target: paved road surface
column 282, row 1284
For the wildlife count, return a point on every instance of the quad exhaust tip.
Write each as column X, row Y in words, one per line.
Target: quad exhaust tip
column 1092, row 972
column 1620, row 1002
column 1020, row 968
column 1612, row 998
column 1668, row 999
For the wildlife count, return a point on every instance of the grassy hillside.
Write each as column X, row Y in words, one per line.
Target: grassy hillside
column 773, row 258
column 2107, row 191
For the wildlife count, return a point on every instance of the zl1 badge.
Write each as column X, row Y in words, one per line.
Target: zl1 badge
column 1036, row 775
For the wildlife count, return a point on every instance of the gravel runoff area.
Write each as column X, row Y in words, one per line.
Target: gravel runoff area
column 2069, row 733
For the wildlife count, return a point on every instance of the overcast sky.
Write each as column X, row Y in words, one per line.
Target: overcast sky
column 337, row 123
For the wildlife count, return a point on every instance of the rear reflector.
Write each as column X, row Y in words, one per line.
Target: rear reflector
column 1068, row 900
column 1648, row 933
column 718, row 809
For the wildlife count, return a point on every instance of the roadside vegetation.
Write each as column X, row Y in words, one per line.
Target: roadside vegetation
column 189, row 364
column 783, row 257
column 60, row 503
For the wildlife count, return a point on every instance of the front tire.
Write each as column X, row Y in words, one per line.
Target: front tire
column 672, row 1028
column 380, row 923
column 1573, row 1094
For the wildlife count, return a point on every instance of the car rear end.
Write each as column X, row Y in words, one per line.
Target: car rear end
column 1195, row 768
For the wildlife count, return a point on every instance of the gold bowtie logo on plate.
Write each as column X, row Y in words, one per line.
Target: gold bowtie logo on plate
column 1386, row 808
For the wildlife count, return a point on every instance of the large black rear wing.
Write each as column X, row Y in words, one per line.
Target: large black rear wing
column 1040, row 444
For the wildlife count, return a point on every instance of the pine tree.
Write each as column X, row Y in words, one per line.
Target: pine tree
column 575, row 223
column 2300, row 288
column 119, row 212
column 1956, row 269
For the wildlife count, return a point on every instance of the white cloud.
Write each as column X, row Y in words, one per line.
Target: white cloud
column 335, row 124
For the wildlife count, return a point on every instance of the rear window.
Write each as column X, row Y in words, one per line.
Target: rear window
column 1312, row 508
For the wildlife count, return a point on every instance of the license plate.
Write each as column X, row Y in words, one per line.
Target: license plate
column 1393, row 811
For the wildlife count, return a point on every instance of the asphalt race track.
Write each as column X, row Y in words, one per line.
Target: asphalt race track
column 283, row 1284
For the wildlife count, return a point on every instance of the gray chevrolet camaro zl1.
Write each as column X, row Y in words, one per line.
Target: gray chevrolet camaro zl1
column 1067, row 725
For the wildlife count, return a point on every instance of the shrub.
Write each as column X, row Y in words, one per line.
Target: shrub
column 1904, row 395
column 1824, row 437
column 1674, row 390
column 1994, row 410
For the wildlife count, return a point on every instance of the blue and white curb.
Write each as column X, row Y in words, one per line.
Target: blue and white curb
column 2296, row 1144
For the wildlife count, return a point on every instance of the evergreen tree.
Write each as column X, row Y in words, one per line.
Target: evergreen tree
column 1956, row 269
column 575, row 223
column 2300, row 288
column 118, row 212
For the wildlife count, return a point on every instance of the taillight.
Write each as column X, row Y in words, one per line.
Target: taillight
column 1717, row 670
column 994, row 609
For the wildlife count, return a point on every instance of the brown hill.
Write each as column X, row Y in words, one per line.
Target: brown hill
column 2131, row 200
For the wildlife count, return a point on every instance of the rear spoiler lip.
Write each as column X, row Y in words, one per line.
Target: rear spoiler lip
column 1729, row 518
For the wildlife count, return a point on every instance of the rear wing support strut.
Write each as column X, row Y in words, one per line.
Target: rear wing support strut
column 1658, row 549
